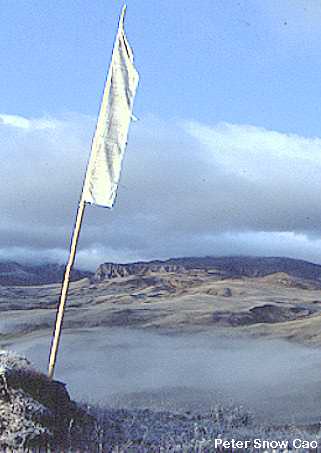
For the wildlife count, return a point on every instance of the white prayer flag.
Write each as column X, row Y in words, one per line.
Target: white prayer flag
column 110, row 139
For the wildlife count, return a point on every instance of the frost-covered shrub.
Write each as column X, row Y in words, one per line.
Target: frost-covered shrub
column 34, row 410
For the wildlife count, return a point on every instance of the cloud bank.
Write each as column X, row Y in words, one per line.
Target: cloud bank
column 186, row 189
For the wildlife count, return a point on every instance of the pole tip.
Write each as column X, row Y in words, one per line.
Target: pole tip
column 123, row 11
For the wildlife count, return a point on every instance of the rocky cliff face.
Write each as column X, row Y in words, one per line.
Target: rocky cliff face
column 113, row 270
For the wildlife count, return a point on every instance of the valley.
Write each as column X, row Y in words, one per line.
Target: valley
column 239, row 298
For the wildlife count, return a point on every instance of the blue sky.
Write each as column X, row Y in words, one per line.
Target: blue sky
column 229, row 119
column 237, row 61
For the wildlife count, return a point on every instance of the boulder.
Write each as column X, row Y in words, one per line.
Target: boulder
column 226, row 292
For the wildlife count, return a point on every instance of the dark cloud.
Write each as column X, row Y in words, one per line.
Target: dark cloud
column 186, row 189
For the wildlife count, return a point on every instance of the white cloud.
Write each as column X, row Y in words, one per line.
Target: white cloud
column 249, row 146
column 27, row 124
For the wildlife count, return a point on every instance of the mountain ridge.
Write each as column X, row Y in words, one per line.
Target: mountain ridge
column 224, row 266
column 16, row 274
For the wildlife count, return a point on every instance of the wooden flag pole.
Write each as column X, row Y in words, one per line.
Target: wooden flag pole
column 64, row 290
column 75, row 236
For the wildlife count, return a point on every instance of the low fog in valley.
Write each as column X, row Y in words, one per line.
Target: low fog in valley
column 130, row 368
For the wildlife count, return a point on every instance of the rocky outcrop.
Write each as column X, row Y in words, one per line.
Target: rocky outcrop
column 113, row 270
column 267, row 313
column 34, row 410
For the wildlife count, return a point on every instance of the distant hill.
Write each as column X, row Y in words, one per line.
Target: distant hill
column 12, row 273
column 226, row 266
column 279, row 297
